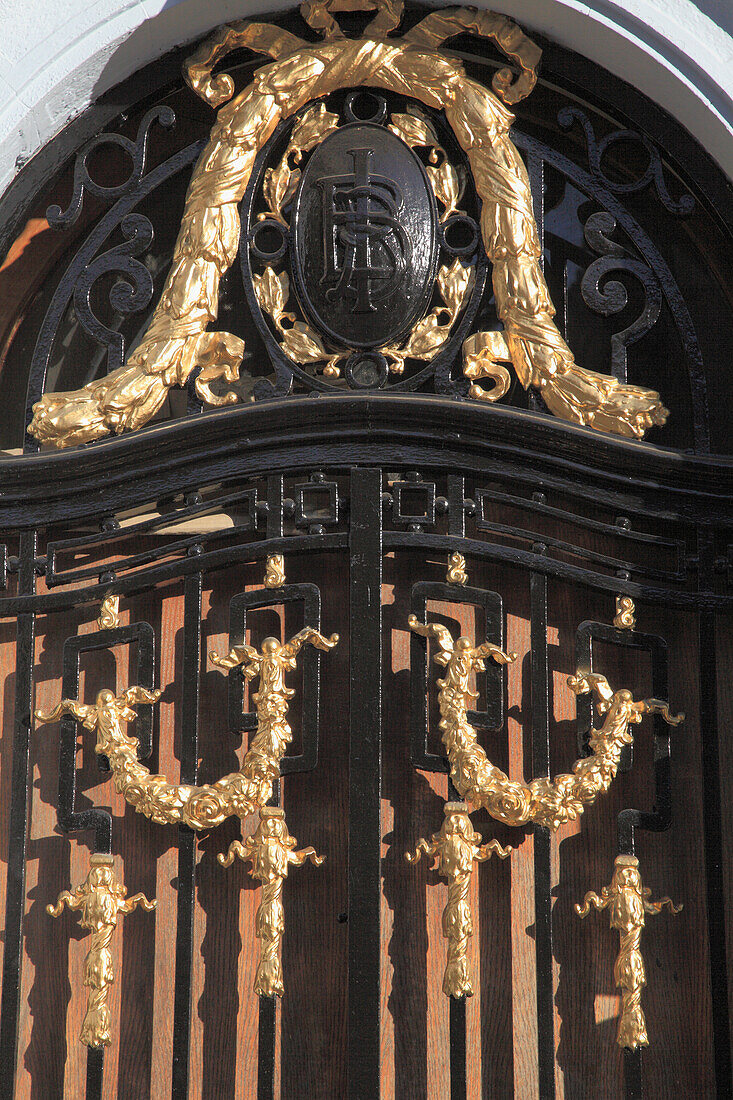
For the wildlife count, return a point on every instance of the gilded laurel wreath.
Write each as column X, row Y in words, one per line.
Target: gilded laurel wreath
column 177, row 340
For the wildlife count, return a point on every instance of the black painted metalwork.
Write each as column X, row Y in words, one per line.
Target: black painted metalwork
column 187, row 838
column 365, row 774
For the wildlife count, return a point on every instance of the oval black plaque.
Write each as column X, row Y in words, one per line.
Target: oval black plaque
column 364, row 230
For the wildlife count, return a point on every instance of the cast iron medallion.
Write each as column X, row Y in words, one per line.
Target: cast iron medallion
column 364, row 229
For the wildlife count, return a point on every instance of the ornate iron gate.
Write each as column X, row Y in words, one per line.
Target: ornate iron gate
column 342, row 496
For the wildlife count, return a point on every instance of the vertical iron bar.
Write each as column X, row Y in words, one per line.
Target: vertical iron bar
column 267, row 1036
column 18, row 823
column 365, row 766
column 542, row 877
column 458, row 1082
column 715, row 886
column 187, row 837
column 95, row 1072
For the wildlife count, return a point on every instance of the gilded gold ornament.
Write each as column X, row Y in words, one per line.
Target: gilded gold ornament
column 628, row 902
column 549, row 802
column 101, row 898
column 177, row 341
column 457, row 847
column 275, row 571
column 109, row 613
column 456, row 569
column 271, row 850
column 624, row 618
column 238, row 794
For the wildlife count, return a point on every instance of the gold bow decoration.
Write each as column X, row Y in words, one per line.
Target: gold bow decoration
column 177, row 341
column 628, row 901
column 272, row 851
column 100, row 899
column 457, row 847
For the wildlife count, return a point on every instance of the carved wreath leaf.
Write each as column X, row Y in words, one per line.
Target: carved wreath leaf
column 427, row 336
column 444, row 181
column 311, row 129
column 279, row 187
column 302, row 344
column 412, row 130
column 453, row 283
column 272, row 291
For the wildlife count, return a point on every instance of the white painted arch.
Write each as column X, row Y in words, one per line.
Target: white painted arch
column 58, row 56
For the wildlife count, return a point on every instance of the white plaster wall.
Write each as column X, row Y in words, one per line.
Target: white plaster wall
column 57, row 56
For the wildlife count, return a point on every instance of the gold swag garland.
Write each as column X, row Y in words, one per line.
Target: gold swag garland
column 549, row 802
column 176, row 340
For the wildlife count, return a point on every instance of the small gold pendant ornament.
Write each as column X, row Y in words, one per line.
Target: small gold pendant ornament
column 457, row 847
column 178, row 342
column 271, row 850
column 101, row 898
column 628, row 901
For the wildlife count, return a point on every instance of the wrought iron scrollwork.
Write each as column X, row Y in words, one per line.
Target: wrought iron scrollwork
column 124, row 296
column 136, row 150
column 609, row 296
column 653, row 173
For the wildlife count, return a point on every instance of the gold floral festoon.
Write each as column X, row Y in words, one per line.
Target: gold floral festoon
column 549, row 802
column 177, row 340
column 207, row 805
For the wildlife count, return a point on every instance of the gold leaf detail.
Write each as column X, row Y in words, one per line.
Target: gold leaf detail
column 302, row 344
column 412, row 130
column 311, row 129
column 444, row 181
column 272, row 291
column 453, row 283
column 279, row 187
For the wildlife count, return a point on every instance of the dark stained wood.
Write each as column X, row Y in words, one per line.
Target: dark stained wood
column 501, row 1017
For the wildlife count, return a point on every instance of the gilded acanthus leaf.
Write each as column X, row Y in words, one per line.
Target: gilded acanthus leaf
column 311, row 129
column 272, row 291
column 412, row 130
column 453, row 283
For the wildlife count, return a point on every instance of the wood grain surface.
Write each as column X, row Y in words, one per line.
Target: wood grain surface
column 501, row 1017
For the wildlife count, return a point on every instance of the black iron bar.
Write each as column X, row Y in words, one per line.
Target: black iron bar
column 458, row 1082
column 542, row 871
column 712, row 827
column 365, row 766
column 18, row 825
column 187, row 838
column 267, row 1025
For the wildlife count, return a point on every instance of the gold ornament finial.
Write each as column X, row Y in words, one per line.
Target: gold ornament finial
column 240, row 793
column 549, row 802
column 456, row 569
column 271, row 850
column 101, row 898
column 624, row 618
column 628, row 901
column 275, row 571
column 457, row 847
column 109, row 613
